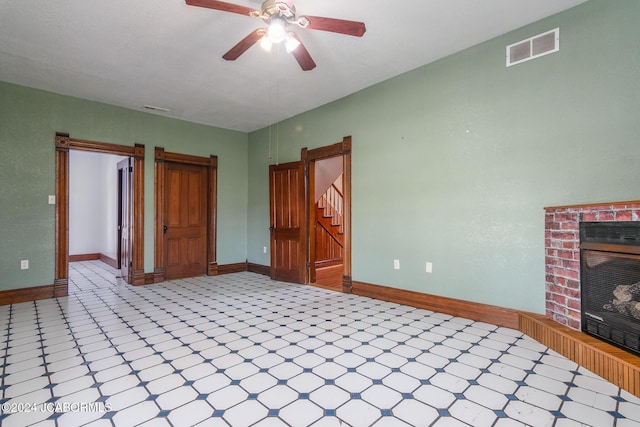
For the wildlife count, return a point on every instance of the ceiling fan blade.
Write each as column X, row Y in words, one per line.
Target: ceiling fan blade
column 302, row 56
column 350, row 28
column 221, row 5
column 244, row 44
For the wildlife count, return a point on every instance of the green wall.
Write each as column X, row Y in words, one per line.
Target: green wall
column 454, row 162
column 30, row 118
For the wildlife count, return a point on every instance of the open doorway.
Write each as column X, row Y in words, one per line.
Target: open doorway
column 64, row 145
column 326, row 220
column 329, row 215
column 99, row 219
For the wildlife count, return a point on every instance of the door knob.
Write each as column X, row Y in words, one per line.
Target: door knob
column 164, row 229
column 272, row 228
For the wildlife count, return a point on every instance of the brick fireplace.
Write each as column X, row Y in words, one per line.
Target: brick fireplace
column 562, row 254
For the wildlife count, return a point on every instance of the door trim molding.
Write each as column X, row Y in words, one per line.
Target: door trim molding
column 211, row 162
column 343, row 149
column 64, row 143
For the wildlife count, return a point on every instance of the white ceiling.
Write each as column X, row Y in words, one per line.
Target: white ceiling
column 167, row 54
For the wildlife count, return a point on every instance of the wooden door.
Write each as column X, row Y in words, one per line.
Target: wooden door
column 288, row 222
column 185, row 227
column 125, row 172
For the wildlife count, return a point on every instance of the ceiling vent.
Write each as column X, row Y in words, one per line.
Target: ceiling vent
column 534, row 47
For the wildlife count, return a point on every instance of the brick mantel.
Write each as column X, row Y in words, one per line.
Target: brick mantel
column 562, row 253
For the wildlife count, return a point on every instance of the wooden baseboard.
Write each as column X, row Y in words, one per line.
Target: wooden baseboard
column 15, row 296
column 471, row 310
column 244, row 266
column 61, row 287
column 108, row 260
column 158, row 275
column 232, row 268
column 347, row 284
column 94, row 257
column 265, row 270
column 611, row 363
column 213, row 269
column 84, row 257
column 138, row 277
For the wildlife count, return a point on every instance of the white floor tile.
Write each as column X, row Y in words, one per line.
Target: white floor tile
column 415, row 413
column 227, row 397
column 245, row 413
column 434, row 396
column 301, row 412
column 176, row 398
column 472, row 413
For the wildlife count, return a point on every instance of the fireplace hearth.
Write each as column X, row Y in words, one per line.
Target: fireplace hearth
column 610, row 282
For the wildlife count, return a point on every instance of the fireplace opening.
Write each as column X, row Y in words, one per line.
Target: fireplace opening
column 610, row 282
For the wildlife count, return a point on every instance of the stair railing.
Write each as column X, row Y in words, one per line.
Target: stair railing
column 332, row 202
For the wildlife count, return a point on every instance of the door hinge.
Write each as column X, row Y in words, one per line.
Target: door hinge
column 308, row 264
column 130, row 263
column 130, row 169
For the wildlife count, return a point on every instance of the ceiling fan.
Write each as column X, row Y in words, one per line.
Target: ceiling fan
column 279, row 15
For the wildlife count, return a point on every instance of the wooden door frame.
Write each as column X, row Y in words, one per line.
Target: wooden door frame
column 124, row 167
column 120, row 204
column 343, row 149
column 119, row 222
column 211, row 162
column 311, row 215
column 64, row 143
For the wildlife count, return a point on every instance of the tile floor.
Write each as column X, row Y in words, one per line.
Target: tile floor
column 243, row 350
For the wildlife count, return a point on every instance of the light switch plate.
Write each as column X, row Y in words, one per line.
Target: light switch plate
column 52, row 199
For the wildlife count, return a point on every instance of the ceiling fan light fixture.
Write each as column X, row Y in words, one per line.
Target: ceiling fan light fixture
column 276, row 31
column 291, row 42
column 265, row 43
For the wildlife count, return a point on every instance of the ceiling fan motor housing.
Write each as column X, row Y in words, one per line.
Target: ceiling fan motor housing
column 271, row 8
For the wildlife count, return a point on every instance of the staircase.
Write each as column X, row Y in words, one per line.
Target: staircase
column 330, row 224
column 329, row 235
column 331, row 204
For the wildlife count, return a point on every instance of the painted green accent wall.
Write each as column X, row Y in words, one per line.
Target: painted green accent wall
column 29, row 119
column 453, row 162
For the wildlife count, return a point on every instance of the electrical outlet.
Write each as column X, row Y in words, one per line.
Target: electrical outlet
column 429, row 268
column 264, row 249
column 396, row 264
column 24, row 264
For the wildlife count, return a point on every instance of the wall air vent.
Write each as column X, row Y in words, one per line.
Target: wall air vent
column 534, row 47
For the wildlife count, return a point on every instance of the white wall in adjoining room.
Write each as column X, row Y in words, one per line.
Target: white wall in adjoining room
column 93, row 203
